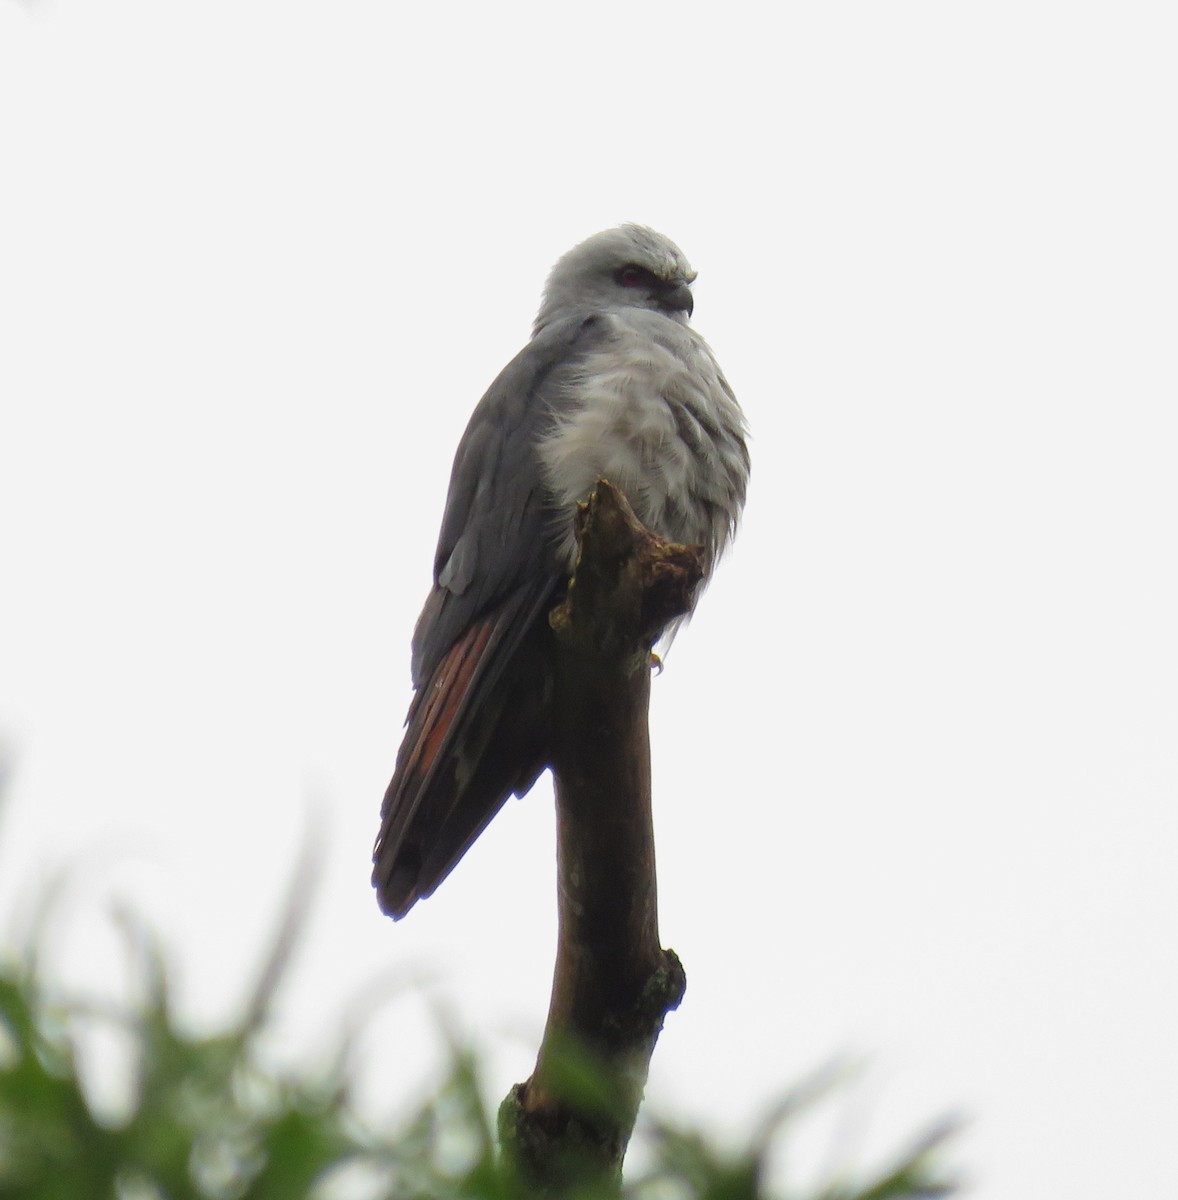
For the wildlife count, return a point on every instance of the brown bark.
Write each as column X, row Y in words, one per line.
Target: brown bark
column 613, row 983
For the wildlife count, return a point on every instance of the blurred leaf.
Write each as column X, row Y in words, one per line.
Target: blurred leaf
column 211, row 1119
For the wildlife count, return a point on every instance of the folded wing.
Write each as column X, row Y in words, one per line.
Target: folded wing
column 477, row 727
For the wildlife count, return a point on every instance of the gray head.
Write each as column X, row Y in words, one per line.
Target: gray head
column 627, row 267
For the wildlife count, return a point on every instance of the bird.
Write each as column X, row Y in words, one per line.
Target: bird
column 614, row 384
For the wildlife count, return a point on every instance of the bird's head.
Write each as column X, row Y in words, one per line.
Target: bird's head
column 627, row 267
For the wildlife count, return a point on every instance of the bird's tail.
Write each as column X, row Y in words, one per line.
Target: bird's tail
column 476, row 733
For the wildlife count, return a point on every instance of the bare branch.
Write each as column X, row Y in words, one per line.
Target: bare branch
column 613, row 982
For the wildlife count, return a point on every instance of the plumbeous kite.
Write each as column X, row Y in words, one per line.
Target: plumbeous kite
column 613, row 384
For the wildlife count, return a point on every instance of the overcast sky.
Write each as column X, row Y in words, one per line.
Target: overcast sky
column 914, row 759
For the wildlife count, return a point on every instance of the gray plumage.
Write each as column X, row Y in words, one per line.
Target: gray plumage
column 614, row 384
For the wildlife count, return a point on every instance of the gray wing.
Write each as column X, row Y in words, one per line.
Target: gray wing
column 477, row 727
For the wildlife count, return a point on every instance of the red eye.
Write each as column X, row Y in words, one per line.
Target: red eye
column 632, row 276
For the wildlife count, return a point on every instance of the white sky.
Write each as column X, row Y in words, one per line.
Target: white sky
column 915, row 760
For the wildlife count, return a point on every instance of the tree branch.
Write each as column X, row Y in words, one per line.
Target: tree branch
column 613, row 983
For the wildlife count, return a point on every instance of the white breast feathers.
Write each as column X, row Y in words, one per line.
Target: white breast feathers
column 650, row 411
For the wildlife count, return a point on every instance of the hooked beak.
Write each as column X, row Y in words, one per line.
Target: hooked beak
column 676, row 297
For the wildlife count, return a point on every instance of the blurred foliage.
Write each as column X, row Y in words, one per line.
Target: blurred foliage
column 208, row 1119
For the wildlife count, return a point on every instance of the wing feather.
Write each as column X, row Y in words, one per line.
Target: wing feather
column 477, row 730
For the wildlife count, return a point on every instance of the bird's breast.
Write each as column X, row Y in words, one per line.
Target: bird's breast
column 648, row 409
